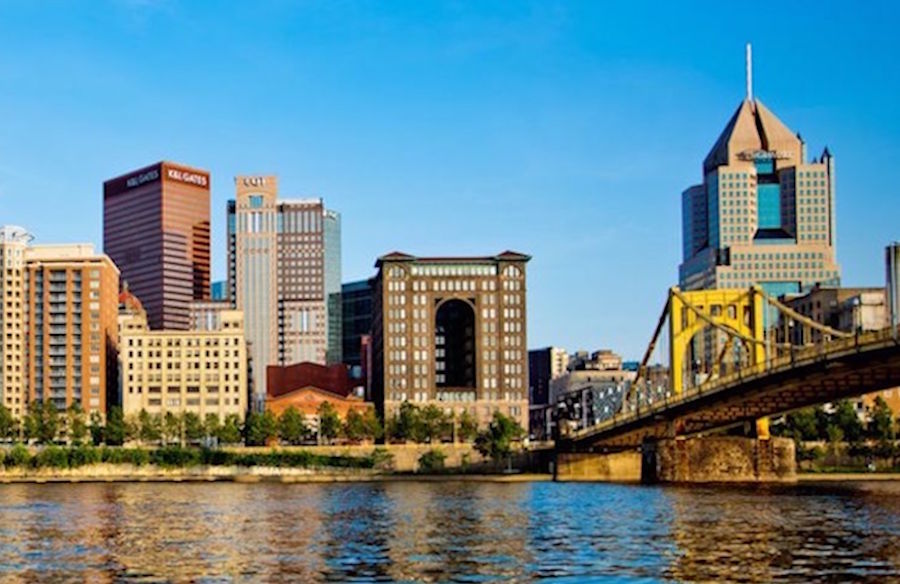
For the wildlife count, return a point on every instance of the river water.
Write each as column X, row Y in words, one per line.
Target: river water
column 451, row 531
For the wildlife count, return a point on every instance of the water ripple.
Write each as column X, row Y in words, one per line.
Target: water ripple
column 448, row 532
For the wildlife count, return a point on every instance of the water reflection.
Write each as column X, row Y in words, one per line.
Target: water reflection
column 446, row 532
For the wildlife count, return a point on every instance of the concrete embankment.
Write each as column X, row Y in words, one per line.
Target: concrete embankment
column 116, row 473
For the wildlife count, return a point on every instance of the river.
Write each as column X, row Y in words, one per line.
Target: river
column 450, row 531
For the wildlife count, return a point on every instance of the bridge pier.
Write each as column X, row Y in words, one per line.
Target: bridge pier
column 718, row 459
column 713, row 459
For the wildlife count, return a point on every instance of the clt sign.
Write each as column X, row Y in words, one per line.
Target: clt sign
column 254, row 181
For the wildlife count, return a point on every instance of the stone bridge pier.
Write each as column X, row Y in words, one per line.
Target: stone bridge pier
column 711, row 459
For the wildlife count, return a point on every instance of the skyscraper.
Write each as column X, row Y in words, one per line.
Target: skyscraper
column 284, row 272
column 156, row 230
column 764, row 214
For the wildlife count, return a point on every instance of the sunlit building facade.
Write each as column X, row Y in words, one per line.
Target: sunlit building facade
column 451, row 332
column 284, row 272
column 71, row 322
column 764, row 214
column 196, row 371
column 13, row 366
column 156, row 229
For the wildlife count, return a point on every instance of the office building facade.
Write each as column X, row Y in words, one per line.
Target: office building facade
column 451, row 332
column 71, row 322
column 764, row 214
column 284, row 273
column 13, row 365
column 356, row 314
column 196, row 371
column 156, row 229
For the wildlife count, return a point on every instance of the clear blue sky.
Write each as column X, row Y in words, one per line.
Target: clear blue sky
column 564, row 130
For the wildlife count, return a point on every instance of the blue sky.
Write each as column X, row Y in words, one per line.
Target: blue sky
column 565, row 130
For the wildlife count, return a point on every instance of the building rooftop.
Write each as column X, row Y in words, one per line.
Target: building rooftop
column 399, row 256
column 753, row 129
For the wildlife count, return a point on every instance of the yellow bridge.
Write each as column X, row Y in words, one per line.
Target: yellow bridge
column 735, row 358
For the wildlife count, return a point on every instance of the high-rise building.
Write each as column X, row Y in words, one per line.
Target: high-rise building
column 544, row 365
column 892, row 283
column 196, row 371
column 764, row 214
column 451, row 332
column 13, row 366
column 71, row 322
column 156, row 230
column 356, row 313
column 284, row 272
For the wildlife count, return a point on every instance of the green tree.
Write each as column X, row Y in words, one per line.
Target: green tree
column 193, row 427
column 31, row 423
column 354, row 427
column 7, row 423
column 835, row 437
column 171, row 428
column 292, row 426
column 329, row 422
column 212, row 425
column 98, row 432
column 230, row 431
column 149, row 427
column 131, row 428
column 115, row 427
column 802, row 425
column 466, row 427
column 48, row 425
column 847, row 420
column 407, row 424
column 435, row 424
column 881, row 425
column 75, row 424
column 498, row 440
column 259, row 429
column 372, row 425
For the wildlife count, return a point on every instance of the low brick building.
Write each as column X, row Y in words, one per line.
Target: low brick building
column 305, row 386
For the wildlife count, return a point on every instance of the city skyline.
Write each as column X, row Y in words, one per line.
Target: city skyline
column 551, row 162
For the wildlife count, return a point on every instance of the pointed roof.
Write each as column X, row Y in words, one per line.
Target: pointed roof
column 752, row 127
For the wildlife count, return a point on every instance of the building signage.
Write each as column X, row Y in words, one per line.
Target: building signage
column 186, row 176
column 142, row 178
column 763, row 155
column 254, row 181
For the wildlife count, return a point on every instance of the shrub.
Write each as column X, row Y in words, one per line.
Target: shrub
column 432, row 461
column 174, row 456
column 18, row 455
column 381, row 459
column 51, row 457
column 83, row 455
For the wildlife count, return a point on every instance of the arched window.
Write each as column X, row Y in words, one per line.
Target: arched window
column 512, row 272
column 454, row 345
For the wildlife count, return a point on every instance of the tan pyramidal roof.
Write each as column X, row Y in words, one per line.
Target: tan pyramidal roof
column 752, row 127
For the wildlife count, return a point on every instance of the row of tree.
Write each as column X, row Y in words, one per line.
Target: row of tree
column 841, row 424
column 43, row 424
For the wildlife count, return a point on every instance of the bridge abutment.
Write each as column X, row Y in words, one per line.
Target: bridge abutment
column 718, row 459
column 714, row 459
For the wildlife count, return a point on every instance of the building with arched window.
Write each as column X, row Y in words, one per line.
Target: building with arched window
column 451, row 332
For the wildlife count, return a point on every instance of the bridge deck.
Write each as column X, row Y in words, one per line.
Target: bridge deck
column 843, row 368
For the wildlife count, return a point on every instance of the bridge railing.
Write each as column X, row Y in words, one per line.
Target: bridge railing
column 642, row 405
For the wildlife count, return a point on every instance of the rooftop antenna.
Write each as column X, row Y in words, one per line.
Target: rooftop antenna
column 749, row 72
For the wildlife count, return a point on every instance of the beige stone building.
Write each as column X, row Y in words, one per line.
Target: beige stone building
column 451, row 332
column 71, row 309
column 13, row 371
column 198, row 371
